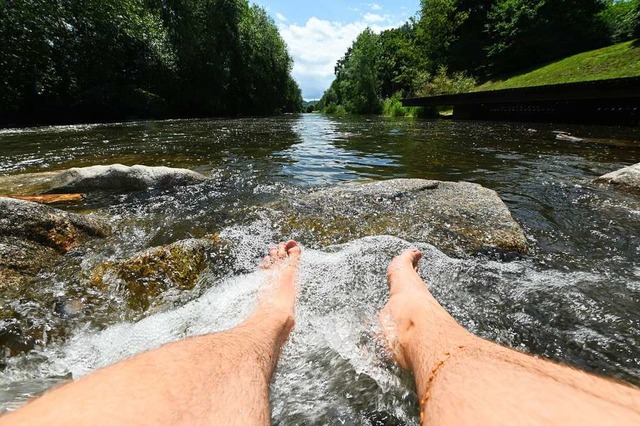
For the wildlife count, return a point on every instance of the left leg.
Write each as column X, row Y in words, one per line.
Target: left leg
column 220, row 378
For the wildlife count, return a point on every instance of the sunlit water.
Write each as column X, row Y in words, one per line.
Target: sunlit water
column 575, row 299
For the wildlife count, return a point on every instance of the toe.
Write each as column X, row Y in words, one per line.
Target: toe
column 293, row 249
column 266, row 263
column 273, row 252
column 282, row 251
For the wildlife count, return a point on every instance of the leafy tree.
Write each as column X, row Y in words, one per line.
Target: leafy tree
column 437, row 30
column 636, row 32
column 620, row 18
column 358, row 79
column 97, row 59
column 398, row 61
column 527, row 32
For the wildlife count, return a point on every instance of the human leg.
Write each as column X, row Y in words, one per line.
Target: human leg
column 220, row 378
column 462, row 379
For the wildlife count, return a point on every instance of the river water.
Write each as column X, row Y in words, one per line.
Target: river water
column 575, row 299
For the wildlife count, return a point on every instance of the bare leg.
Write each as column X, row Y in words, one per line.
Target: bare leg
column 462, row 379
column 220, row 378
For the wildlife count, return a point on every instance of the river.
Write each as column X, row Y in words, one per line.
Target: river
column 575, row 298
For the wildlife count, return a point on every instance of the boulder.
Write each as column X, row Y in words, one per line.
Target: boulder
column 119, row 178
column 459, row 218
column 626, row 179
column 145, row 276
column 31, row 226
column 33, row 239
column 112, row 178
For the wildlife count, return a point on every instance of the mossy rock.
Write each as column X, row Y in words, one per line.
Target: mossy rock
column 144, row 277
column 459, row 218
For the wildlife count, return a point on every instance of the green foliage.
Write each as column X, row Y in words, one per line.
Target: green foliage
column 357, row 85
column 437, row 29
column 392, row 107
column 620, row 60
column 621, row 19
column 454, row 43
column 444, row 83
column 525, row 33
column 636, row 32
column 397, row 66
column 97, row 59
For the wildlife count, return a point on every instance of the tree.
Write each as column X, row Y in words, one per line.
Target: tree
column 527, row 32
column 620, row 19
column 358, row 80
column 636, row 33
column 437, row 30
column 398, row 58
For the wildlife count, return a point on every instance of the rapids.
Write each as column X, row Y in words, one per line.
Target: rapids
column 575, row 299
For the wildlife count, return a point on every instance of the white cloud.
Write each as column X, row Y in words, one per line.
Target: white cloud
column 372, row 17
column 281, row 17
column 375, row 6
column 317, row 46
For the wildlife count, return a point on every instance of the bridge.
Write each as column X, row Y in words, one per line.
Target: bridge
column 614, row 101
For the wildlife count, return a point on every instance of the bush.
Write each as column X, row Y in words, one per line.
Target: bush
column 334, row 109
column 444, row 84
column 392, row 107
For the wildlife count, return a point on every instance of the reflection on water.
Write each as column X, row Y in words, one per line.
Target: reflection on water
column 575, row 299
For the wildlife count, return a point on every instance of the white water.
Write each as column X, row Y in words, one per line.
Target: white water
column 332, row 370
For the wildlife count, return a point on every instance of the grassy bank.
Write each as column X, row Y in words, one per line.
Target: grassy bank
column 620, row 60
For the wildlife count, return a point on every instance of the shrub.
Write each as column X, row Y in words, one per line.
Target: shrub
column 444, row 84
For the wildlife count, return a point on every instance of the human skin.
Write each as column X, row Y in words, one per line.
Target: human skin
column 462, row 379
column 220, row 378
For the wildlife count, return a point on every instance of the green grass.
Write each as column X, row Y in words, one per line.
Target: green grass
column 620, row 60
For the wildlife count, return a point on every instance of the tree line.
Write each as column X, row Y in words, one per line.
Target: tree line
column 453, row 44
column 69, row 60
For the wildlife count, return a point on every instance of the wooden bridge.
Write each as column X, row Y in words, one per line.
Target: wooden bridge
column 614, row 101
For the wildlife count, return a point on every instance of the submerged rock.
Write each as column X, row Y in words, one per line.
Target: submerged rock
column 458, row 218
column 33, row 239
column 627, row 179
column 144, row 277
column 121, row 178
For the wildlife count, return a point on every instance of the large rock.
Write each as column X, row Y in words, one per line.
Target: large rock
column 627, row 179
column 112, row 178
column 121, row 178
column 33, row 239
column 458, row 218
column 144, row 277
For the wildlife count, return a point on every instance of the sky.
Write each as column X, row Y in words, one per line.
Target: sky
column 318, row 33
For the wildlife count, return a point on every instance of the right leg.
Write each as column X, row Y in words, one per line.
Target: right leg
column 462, row 379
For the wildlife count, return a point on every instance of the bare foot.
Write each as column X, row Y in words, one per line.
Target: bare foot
column 416, row 327
column 279, row 296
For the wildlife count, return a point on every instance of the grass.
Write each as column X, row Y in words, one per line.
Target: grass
column 620, row 60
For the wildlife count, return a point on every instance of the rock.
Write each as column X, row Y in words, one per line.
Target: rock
column 24, row 221
column 145, row 276
column 34, row 238
column 626, row 179
column 119, row 178
column 458, row 218
column 567, row 137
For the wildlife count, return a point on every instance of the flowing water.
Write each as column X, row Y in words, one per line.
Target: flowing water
column 575, row 299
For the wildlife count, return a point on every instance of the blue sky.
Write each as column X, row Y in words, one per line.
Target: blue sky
column 318, row 33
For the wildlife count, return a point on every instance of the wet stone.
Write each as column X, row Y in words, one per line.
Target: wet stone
column 143, row 278
column 626, row 179
column 120, row 178
column 459, row 218
column 35, row 239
